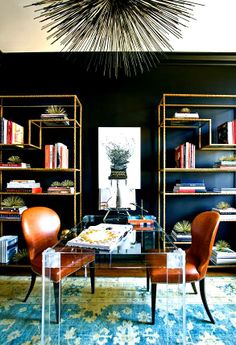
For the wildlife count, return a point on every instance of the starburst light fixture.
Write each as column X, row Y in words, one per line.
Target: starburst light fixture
column 124, row 31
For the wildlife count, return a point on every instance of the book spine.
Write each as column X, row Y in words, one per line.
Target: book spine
column 25, row 190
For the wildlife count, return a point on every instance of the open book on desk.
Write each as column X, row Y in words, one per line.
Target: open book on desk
column 102, row 236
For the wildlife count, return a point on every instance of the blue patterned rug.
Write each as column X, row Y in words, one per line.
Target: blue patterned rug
column 118, row 313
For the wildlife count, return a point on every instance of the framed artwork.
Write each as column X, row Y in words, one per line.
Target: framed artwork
column 119, row 166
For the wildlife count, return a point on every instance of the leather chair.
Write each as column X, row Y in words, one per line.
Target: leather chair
column 40, row 227
column 204, row 230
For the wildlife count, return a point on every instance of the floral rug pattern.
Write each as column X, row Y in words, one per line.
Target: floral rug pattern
column 118, row 313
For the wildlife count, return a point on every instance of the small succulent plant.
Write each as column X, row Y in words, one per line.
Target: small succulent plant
column 13, row 201
column 67, row 183
column 222, row 205
column 54, row 109
column 22, row 255
column 222, row 246
column 14, row 159
column 183, row 226
column 227, row 158
column 56, row 184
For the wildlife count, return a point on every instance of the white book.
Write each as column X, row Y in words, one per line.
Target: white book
column 228, row 253
column 187, row 115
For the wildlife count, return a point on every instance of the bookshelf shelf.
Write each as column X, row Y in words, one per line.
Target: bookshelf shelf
column 201, row 132
column 26, row 111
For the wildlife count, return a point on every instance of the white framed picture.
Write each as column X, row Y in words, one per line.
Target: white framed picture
column 119, row 166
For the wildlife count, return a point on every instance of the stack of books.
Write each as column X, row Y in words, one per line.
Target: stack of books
column 225, row 164
column 225, row 190
column 103, row 236
column 226, row 214
column 185, row 155
column 61, row 190
column 11, row 132
column 24, row 186
column 197, row 186
column 8, row 248
column 11, row 213
column 181, row 236
column 186, row 115
column 55, row 117
column 56, row 156
column 228, row 256
column 227, row 132
column 14, row 165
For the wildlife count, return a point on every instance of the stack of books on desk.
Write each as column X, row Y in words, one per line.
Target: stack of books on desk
column 8, row 248
column 228, row 256
column 102, row 236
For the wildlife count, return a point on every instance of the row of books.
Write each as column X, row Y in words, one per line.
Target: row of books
column 11, row 213
column 23, row 186
column 228, row 256
column 197, row 186
column 11, row 132
column 227, row 132
column 56, row 156
column 8, row 248
column 185, row 155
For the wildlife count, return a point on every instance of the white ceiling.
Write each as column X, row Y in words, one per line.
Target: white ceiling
column 214, row 29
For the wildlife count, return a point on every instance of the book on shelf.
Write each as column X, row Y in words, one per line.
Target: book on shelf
column 14, row 165
column 12, row 210
column 55, row 117
column 11, row 132
column 61, row 190
column 218, row 261
column 189, row 187
column 224, row 190
column 186, row 115
column 56, row 156
column 227, row 132
column 181, row 237
column 228, row 253
column 23, row 184
column 8, row 247
column 225, row 211
column 33, row 190
column 185, row 155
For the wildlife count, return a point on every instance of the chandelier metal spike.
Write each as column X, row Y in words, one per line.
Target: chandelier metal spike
column 123, row 28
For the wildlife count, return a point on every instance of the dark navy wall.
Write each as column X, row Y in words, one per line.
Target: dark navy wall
column 126, row 101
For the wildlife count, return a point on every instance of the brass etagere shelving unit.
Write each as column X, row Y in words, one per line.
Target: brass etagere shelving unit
column 26, row 110
column 213, row 110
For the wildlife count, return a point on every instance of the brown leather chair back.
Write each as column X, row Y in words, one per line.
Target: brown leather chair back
column 40, row 227
column 204, row 230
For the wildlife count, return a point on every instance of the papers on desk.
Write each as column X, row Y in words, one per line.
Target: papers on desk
column 103, row 236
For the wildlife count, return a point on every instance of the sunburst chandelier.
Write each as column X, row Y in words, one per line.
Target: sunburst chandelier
column 124, row 31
